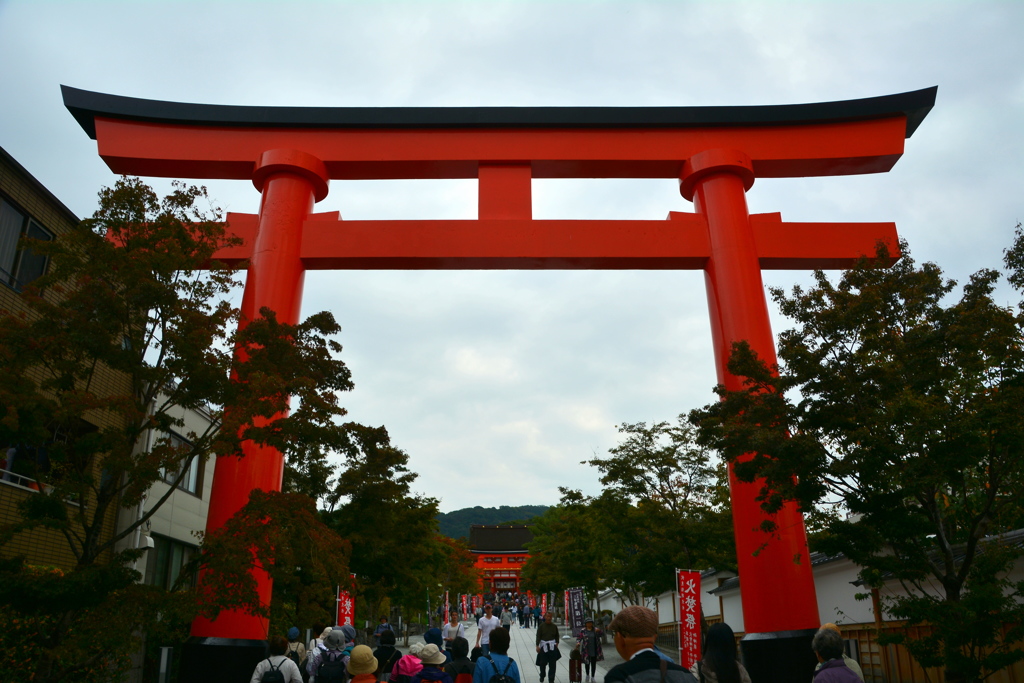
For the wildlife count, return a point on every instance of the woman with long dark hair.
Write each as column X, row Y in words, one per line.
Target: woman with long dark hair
column 719, row 663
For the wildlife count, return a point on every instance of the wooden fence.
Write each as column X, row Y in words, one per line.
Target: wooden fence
column 881, row 663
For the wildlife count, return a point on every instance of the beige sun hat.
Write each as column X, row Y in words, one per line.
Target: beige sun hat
column 431, row 655
column 361, row 661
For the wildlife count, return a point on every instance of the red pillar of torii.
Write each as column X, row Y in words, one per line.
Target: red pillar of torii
column 290, row 153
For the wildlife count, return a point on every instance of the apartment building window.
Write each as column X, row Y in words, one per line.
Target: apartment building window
column 193, row 479
column 166, row 560
column 18, row 267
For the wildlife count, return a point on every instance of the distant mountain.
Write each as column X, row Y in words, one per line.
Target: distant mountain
column 456, row 524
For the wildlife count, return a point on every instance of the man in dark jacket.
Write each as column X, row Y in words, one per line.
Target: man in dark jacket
column 636, row 629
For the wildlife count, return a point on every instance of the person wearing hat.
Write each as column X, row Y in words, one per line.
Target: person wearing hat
column 408, row 665
column 296, row 650
column 362, row 665
column 636, row 629
column 433, row 636
column 318, row 640
column 327, row 663
column 433, row 659
column 277, row 661
column 488, row 622
column 588, row 641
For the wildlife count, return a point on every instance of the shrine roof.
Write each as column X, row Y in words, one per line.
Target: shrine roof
column 499, row 538
column 86, row 106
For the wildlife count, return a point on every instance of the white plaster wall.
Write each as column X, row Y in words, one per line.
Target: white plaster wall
column 837, row 602
column 732, row 609
column 184, row 513
column 836, row 595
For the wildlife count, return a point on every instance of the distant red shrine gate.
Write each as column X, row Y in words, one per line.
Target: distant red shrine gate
column 499, row 553
column 290, row 154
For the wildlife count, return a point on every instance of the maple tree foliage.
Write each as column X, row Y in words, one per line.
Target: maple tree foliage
column 283, row 534
column 131, row 327
column 397, row 553
column 895, row 416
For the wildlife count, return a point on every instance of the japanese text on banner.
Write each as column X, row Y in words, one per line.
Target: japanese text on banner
column 346, row 608
column 689, row 617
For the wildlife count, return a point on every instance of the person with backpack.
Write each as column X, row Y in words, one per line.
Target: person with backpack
column 276, row 668
column 496, row 666
column 433, row 659
column 297, row 652
column 319, row 633
column 433, row 636
column 387, row 655
column 461, row 667
column 327, row 664
column 362, row 665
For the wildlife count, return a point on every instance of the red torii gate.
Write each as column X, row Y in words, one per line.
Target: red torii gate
column 291, row 153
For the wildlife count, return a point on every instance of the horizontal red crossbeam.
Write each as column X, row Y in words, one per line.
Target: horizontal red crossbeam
column 175, row 150
column 680, row 243
column 158, row 138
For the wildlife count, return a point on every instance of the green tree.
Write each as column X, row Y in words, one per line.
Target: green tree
column 907, row 435
column 129, row 327
column 391, row 530
column 664, row 505
column 566, row 547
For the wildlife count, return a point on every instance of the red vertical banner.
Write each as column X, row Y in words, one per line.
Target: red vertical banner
column 544, row 604
column 447, row 608
column 462, row 607
column 688, row 583
column 346, row 609
column 566, row 606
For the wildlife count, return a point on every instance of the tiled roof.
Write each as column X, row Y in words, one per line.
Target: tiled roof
column 817, row 559
column 499, row 538
column 1011, row 539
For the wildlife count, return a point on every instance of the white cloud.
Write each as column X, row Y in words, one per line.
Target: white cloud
column 499, row 383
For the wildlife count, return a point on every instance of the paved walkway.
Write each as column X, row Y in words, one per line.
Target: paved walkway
column 524, row 650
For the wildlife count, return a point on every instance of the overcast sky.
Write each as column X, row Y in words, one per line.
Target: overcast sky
column 499, row 383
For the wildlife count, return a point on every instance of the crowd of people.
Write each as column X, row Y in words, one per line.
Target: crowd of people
column 444, row 655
